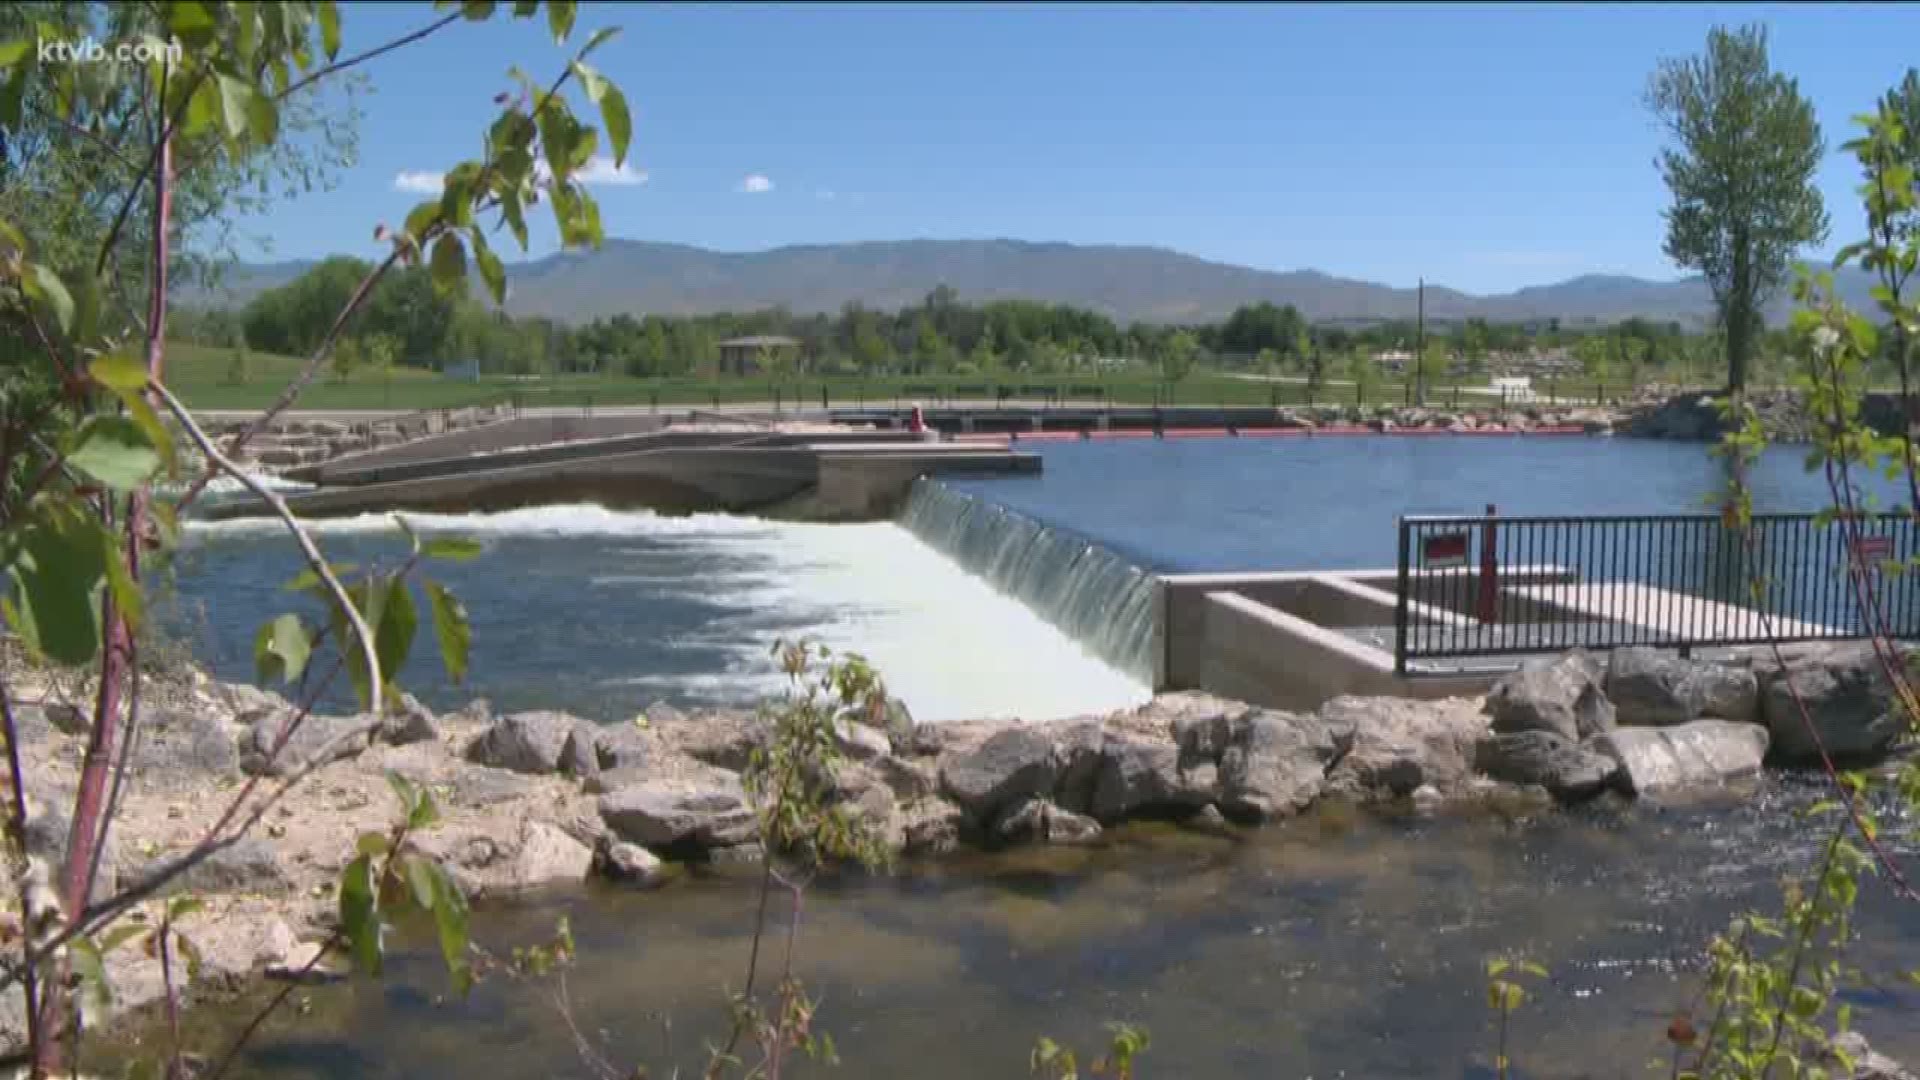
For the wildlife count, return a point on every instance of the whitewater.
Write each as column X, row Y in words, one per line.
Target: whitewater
column 691, row 608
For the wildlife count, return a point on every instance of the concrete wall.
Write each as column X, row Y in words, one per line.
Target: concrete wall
column 1266, row 656
column 499, row 435
column 1274, row 637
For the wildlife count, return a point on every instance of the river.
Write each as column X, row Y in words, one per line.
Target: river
column 1326, row 947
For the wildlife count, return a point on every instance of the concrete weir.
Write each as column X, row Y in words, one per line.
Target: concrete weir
column 821, row 476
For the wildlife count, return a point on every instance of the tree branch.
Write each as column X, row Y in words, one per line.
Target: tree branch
column 342, row 65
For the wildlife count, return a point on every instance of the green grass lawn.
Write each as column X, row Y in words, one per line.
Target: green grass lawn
column 204, row 378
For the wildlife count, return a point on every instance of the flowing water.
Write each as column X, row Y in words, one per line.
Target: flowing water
column 1323, row 948
column 1320, row 948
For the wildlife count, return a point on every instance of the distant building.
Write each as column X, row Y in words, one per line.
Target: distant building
column 745, row 355
column 463, row 370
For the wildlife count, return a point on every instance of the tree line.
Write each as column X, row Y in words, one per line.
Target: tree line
column 407, row 322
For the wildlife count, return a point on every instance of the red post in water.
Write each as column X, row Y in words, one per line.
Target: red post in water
column 1489, row 572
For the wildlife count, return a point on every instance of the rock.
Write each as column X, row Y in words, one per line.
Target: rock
column 930, row 826
column 630, row 864
column 185, row 748
column 1139, row 774
column 861, row 742
column 1208, row 819
column 580, row 757
column 410, row 723
column 908, row 779
column 530, row 742
column 1570, row 771
column 1038, row 819
column 1559, row 694
column 307, row 963
column 1656, row 687
column 244, row 701
column 1852, row 708
column 1011, row 766
column 1396, row 745
column 1695, row 754
column 752, row 853
column 1275, row 764
column 251, row 864
column 627, row 746
column 1867, row 1063
column 547, row 855
column 317, row 738
column 680, row 813
column 474, row 788
column 724, row 738
column 1426, row 800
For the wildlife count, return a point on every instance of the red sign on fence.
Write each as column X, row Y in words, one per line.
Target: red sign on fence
column 1870, row 551
column 1445, row 549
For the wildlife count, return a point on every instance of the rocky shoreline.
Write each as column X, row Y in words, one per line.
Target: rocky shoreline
column 542, row 799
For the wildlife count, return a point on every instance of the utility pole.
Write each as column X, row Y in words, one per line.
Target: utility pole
column 1420, row 346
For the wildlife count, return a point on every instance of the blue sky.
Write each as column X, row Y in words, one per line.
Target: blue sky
column 1484, row 146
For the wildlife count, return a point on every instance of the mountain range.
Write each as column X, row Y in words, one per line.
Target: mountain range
column 1127, row 283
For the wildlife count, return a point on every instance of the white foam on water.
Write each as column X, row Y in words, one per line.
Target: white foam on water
column 944, row 640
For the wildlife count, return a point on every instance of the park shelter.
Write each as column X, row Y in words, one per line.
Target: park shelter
column 747, row 355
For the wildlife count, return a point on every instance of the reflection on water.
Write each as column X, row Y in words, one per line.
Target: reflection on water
column 1312, row 949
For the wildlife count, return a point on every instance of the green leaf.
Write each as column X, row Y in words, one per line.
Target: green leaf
column 477, row 10
column 419, row 874
column 452, row 548
column 59, row 574
column 203, row 109
column 393, row 634
column 86, row 308
column 281, row 647
column 12, row 52
column 450, row 921
column 113, row 451
column 360, row 915
column 329, row 28
column 45, row 287
column 119, row 372
column 600, row 37
column 613, row 109
column 491, row 272
column 236, row 106
column 263, row 119
column 372, row 843
column 451, row 628
column 449, row 264
column 127, row 597
column 560, row 19
column 189, row 18
column 182, row 906
column 422, row 218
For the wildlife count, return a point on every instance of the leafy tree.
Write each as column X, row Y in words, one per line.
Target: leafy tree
column 1178, row 360
column 1746, row 145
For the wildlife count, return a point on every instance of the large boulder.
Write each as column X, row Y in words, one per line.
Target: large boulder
column 1657, row 687
column 537, row 743
column 180, row 748
column 493, row 862
column 314, row 740
column 1863, row 1061
column 251, row 864
column 681, row 814
column 630, row 864
column 1140, row 774
column 1571, row 772
column 1700, row 753
column 409, row 723
column 1851, row 706
column 1396, row 746
column 1560, row 694
column 725, row 738
column 1274, row 765
column 1010, row 766
column 1042, row 821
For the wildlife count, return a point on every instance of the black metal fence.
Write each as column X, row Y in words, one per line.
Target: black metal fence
column 1492, row 586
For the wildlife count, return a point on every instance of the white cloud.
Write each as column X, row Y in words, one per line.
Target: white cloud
column 601, row 170
column 419, row 180
column 755, row 184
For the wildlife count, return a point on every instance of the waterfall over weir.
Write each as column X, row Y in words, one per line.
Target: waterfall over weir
column 1109, row 605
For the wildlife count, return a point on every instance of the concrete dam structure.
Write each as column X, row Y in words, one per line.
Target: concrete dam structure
column 638, row 462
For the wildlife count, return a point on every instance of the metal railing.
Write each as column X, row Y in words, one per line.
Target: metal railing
column 1492, row 586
